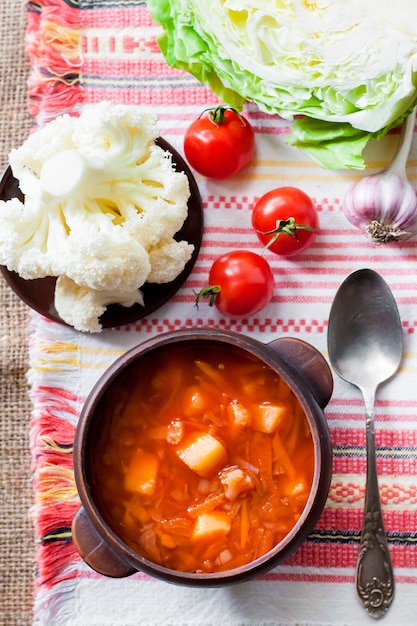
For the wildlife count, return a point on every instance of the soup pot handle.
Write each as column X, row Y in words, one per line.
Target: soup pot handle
column 94, row 550
column 308, row 361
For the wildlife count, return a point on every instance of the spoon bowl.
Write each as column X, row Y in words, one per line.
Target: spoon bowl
column 365, row 333
column 365, row 344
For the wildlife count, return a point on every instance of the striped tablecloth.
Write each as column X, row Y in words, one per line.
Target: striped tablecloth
column 85, row 51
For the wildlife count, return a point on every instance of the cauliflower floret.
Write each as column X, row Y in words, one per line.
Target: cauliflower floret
column 22, row 237
column 27, row 160
column 163, row 195
column 168, row 259
column 104, row 132
column 81, row 307
column 102, row 203
column 88, row 262
column 235, row 481
column 85, row 254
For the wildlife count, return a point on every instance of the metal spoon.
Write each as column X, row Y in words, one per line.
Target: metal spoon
column 365, row 343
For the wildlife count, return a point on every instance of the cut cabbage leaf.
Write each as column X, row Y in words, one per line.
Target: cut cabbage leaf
column 332, row 145
column 351, row 64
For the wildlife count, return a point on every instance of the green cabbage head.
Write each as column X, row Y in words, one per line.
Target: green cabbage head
column 347, row 70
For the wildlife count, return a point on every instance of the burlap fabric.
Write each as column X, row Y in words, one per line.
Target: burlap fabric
column 16, row 532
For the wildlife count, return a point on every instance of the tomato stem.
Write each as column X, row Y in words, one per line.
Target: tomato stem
column 217, row 116
column 288, row 227
column 211, row 292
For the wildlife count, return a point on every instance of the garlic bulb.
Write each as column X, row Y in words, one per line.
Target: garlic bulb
column 384, row 204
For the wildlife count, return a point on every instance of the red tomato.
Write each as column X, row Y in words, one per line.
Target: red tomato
column 241, row 283
column 219, row 143
column 285, row 220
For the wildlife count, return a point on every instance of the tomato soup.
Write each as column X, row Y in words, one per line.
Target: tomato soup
column 205, row 459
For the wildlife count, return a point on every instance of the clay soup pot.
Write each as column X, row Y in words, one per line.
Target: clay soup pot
column 306, row 372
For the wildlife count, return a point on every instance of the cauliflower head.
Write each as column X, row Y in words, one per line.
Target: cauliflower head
column 102, row 204
column 82, row 307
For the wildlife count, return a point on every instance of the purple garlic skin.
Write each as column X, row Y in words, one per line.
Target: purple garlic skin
column 384, row 205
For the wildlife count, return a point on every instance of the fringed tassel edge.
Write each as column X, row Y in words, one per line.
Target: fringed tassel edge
column 56, row 605
column 54, row 51
column 55, row 414
column 56, row 501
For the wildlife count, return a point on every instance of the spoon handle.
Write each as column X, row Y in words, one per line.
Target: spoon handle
column 374, row 573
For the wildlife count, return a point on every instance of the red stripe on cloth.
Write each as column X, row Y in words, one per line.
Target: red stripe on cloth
column 348, row 521
column 325, row 554
column 402, row 440
column 116, row 17
column 385, row 466
column 252, row 325
column 129, row 68
column 96, row 92
column 327, row 578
